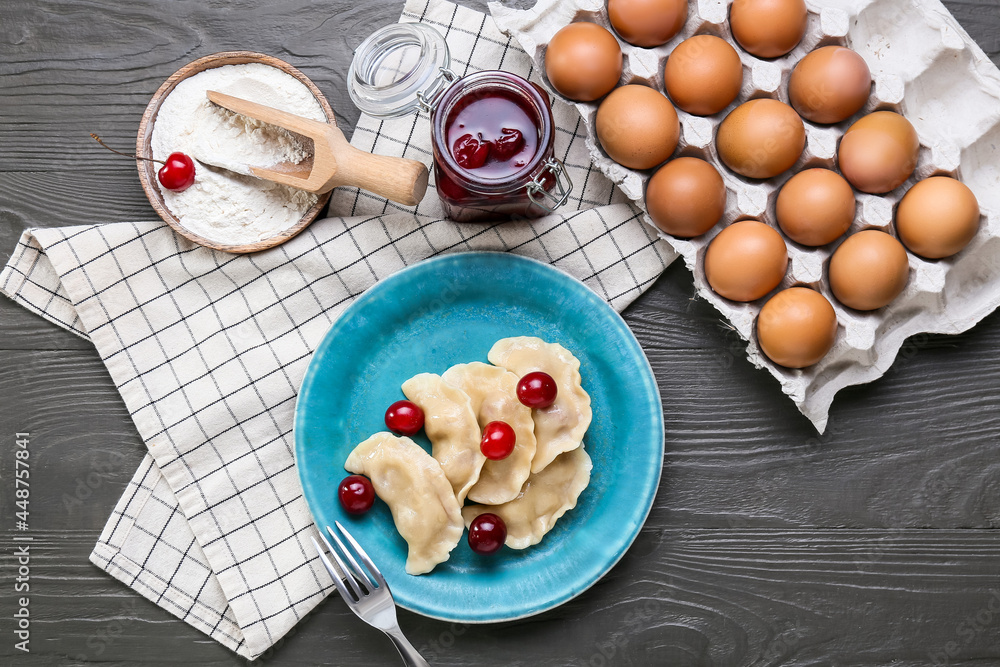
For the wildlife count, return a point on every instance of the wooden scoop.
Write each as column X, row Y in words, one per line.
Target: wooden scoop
column 334, row 161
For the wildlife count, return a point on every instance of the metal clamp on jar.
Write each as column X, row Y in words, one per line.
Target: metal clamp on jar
column 492, row 132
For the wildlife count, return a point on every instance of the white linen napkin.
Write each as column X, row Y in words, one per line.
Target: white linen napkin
column 208, row 350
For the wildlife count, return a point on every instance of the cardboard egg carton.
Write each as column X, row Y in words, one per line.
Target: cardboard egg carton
column 924, row 66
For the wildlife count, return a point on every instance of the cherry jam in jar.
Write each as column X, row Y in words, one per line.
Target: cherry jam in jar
column 493, row 157
column 492, row 132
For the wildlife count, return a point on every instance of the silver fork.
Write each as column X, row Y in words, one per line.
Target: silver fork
column 370, row 600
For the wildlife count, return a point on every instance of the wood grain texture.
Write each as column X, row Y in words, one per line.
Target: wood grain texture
column 679, row 597
column 979, row 18
column 875, row 544
column 103, row 60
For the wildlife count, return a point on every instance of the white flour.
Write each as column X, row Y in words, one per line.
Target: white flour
column 223, row 206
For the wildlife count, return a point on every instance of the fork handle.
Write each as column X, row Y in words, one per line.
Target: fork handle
column 410, row 656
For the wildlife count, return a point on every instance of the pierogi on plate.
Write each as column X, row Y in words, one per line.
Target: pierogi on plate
column 451, row 426
column 418, row 494
column 560, row 427
column 530, row 488
column 494, row 398
column 546, row 496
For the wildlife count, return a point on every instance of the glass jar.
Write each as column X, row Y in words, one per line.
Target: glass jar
column 403, row 68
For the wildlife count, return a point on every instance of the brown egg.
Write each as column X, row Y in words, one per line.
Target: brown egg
column 647, row 22
column 583, row 61
column 868, row 270
column 796, row 327
column 761, row 138
column 686, row 197
column 637, row 126
column 829, row 85
column 878, row 152
column 937, row 217
column 768, row 28
column 815, row 207
column 746, row 261
column 703, row 75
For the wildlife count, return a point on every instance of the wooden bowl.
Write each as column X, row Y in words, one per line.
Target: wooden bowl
column 147, row 169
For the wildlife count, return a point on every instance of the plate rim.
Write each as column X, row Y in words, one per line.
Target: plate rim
column 508, row 256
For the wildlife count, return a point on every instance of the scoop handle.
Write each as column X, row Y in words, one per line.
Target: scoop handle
column 335, row 161
column 400, row 179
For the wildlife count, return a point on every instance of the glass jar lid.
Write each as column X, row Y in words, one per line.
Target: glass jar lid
column 399, row 70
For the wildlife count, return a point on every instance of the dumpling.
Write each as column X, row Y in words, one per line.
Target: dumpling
column 493, row 392
column 546, row 496
column 450, row 424
column 418, row 494
column 560, row 427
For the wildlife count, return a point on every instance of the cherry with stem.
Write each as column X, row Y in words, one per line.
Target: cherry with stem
column 177, row 172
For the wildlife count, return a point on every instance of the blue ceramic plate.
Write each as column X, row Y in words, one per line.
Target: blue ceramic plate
column 451, row 310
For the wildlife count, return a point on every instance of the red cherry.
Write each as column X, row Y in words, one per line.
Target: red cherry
column 404, row 418
column 498, row 441
column 537, row 390
column 356, row 493
column 471, row 153
column 508, row 145
column 487, row 533
column 177, row 173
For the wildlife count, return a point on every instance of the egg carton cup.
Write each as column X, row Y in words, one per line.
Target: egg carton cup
column 925, row 66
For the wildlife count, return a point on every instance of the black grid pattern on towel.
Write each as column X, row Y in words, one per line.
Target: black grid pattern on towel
column 208, row 350
column 190, row 591
column 30, row 281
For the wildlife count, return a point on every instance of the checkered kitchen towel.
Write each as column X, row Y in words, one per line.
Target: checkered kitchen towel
column 208, row 350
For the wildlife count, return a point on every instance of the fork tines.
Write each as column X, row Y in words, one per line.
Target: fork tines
column 347, row 572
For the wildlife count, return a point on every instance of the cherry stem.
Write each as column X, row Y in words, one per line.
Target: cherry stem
column 136, row 157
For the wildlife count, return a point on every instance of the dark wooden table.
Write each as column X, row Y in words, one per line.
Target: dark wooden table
column 874, row 544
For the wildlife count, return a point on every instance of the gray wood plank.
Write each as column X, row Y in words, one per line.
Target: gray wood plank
column 84, row 446
column 679, row 597
column 979, row 18
column 930, row 463
column 767, row 545
column 103, row 61
column 63, row 390
column 22, row 330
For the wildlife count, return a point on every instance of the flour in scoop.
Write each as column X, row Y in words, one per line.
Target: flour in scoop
column 228, row 206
